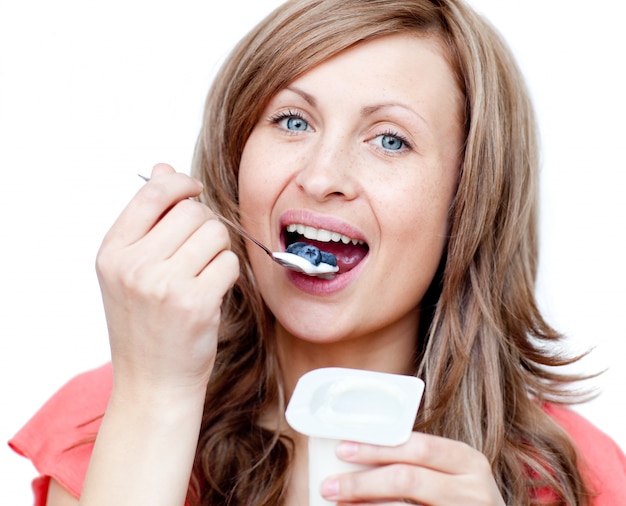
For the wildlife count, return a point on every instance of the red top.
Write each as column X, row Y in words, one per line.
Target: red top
column 54, row 440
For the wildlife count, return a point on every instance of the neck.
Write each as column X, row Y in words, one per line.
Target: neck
column 392, row 351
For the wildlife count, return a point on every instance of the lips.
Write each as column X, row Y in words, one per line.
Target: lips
column 348, row 251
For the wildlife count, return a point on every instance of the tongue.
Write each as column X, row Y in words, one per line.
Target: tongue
column 347, row 255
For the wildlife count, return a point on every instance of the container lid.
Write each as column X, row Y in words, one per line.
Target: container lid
column 355, row 405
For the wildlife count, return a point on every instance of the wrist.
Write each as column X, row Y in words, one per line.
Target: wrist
column 158, row 389
column 157, row 402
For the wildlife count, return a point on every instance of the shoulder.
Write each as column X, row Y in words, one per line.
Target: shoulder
column 58, row 439
column 602, row 461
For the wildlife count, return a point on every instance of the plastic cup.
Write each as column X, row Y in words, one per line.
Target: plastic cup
column 336, row 404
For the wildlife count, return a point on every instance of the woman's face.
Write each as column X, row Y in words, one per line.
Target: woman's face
column 365, row 146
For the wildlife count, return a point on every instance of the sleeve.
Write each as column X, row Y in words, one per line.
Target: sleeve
column 603, row 461
column 59, row 438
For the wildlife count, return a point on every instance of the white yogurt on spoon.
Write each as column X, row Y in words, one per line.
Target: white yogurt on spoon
column 300, row 264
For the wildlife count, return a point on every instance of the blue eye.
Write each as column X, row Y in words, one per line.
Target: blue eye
column 295, row 123
column 391, row 142
column 292, row 121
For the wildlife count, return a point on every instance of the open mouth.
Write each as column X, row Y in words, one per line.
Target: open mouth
column 348, row 251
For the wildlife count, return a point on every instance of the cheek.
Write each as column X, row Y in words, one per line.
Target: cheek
column 420, row 220
column 264, row 171
column 415, row 253
column 253, row 179
column 245, row 184
column 420, row 205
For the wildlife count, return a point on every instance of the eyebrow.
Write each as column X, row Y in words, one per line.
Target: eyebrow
column 306, row 96
column 369, row 110
column 365, row 111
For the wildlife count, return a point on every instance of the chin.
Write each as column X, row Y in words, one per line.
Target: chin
column 312, row 331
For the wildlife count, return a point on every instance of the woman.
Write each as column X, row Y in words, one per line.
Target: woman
column 404, row 126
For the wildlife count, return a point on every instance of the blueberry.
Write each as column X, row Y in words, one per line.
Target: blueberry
column 295, row 247
column 329, row 258
column 311, row 253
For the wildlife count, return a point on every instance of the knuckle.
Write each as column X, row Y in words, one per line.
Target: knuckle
column 215, row 318
column 219, row 232
column 186, row 303
column 154, row 193
column 348, row 485
column 138, row 280
column 192, row 210
column 422, row 447
column 231, row 265
column 136, row 286
column 402, row 478
column 215, row 234
column 103, row 262
column 480, row 463
column 111, row 265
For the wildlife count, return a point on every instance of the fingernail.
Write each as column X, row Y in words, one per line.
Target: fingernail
column 330, row 488
column 346, row 449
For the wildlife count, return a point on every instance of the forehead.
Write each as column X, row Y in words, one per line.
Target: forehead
column 401, row 68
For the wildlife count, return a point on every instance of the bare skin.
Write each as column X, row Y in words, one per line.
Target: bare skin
column 58, row 496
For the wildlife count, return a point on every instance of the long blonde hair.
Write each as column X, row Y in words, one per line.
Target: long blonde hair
column 483, row 341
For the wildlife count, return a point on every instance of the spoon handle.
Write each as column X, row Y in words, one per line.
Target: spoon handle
column 245, row 234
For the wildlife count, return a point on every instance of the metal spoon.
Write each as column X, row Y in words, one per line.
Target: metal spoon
column 287, row 260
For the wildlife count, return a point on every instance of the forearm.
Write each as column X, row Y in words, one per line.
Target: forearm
column 144, row 451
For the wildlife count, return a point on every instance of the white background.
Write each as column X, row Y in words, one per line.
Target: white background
column 93, row 93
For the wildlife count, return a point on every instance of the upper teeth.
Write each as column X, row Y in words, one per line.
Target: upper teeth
column 321, row 235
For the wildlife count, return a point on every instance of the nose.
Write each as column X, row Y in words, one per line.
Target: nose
column 329, row 172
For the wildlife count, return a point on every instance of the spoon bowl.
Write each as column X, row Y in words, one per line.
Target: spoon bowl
column 299, row 264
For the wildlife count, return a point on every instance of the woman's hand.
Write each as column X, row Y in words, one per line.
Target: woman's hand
column 163, row 269
column 427, row 470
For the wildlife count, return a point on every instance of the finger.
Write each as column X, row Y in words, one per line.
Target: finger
column 208, row 289
column 176, row 226
column 442, row 454
column 393, row 484
column 413, row 485
column 161, row 169
column 201, row 296
column 149, row 204
column 222, row 273
column 200, row 249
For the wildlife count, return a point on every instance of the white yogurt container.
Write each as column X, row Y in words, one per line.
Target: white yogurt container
column 334, row 404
